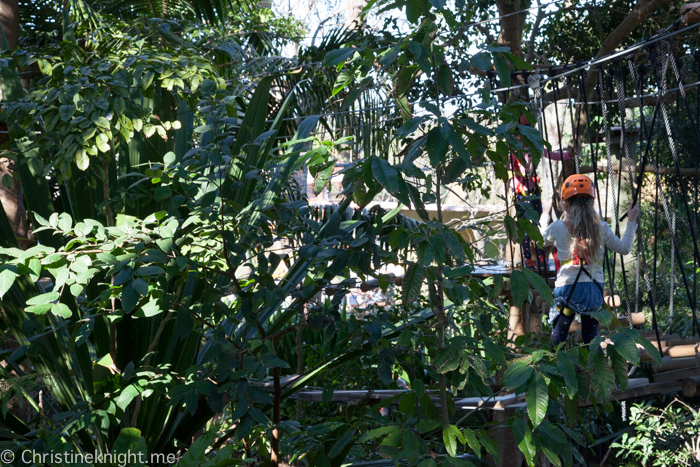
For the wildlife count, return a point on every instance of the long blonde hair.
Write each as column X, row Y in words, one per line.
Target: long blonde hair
column 584, row 226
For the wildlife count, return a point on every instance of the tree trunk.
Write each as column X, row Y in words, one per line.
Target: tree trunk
column 353, row 9
column 512, row 26
column 12, row 201
column 9, row 19
column 12, row 197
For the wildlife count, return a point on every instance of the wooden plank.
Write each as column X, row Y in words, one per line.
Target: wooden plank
column 641, row 391
column 677, row 375
column 496, row 402
column 674, row 364
column 357, row 395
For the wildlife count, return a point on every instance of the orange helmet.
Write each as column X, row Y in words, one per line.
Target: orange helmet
column 577, row 185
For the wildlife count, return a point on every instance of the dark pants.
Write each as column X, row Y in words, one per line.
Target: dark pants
column 562, row 323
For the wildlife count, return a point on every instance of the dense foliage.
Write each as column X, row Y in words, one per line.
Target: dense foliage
column 183, row 289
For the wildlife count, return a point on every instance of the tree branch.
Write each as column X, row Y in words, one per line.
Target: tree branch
column 534, row 32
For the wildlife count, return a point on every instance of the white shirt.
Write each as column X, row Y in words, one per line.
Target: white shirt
column 558, row 234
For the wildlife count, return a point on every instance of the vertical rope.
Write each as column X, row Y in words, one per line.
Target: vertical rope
column 611, row 177
column 621, row 90
column 656, row 214
column 649, row 134
column 672, row 278
column 667, row 55
column 594, row 161
column 556, row 114
column 574, row 129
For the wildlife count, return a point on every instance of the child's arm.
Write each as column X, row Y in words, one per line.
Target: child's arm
column 622, row 245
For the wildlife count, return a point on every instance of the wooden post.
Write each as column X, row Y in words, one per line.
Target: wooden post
column 691, row 386
column 516, row 324
column 509, row 454
column 535, row 324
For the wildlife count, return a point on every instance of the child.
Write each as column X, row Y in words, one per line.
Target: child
column 580, row 239
column 525, row 182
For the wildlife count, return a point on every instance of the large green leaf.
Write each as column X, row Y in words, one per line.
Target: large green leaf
column 412, row 283
column 603, row 382
column 567, row 369
column 639, row 339
column 517, row 374
column 386, row 175
column 619, row 366
column 252, row 126
column 537, row 398
column 625, row 347
column 539, row 284
column 519, row 288
column 523, row 436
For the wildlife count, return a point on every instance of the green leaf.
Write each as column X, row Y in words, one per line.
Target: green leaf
column 65, row 221
column 445, row 80
column 566, row 367
column 625, row 347
column 43, row 298
column 473, row 442
column 129, row 444
column 424, row 253
column 502, row 69
column 102, row 123
column 337, row 56
column 39, row 309
column 322, row 178
column 495, row 352
column 539, row 284
column 517, row 374
column 454, row 244
column 408, row 403
column 386, row 175
column 414, row 10
column 59, row 309
column 129, row 298
column 66, row 112
column 537, row 398
column 341, row 444
column 405, row 79
column 519, row 288
column 603, row 383
column 523, row 436
column 518, row 62
column 450, row 441
column 458, row 433
column 82, row 160
column 639, row 339
column 149, row 271
column 534, row 138
column 151, row 308
column 344, row 78
column 376, row 433
column 412, row 283
column 7, row 278
column 619, row 366
column 127, row 395
column 437, row 146
column 604, row 317
column 482, row 61
column 426, row 426
column 102, row 142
